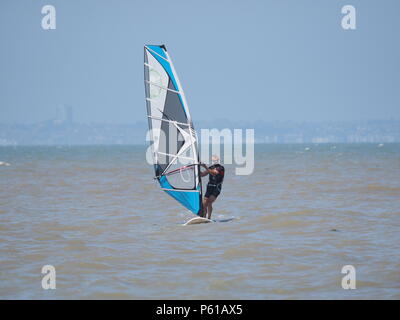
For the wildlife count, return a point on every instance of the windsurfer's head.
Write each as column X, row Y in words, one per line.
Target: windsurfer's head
column 215, row 159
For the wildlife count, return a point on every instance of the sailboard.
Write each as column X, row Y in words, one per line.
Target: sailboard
column 172, row 136
column 197, row 220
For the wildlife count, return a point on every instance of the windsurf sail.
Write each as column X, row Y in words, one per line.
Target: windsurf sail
column 173, row 138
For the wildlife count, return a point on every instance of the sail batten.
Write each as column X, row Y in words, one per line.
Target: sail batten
column 173, row 138
column 161, row 87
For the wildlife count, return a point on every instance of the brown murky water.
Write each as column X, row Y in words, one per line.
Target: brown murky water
column 96, row 215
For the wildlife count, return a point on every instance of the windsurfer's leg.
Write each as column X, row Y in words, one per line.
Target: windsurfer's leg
column 205, row 205
column 210, row 201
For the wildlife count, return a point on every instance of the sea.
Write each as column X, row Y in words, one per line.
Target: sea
column 313, row 221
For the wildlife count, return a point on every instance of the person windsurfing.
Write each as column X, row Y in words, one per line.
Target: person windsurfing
column 216, row 174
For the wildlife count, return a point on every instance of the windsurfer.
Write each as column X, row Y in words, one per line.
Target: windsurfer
column 216, row 174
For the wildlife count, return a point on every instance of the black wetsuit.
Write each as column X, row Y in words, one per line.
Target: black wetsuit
column 215, row 181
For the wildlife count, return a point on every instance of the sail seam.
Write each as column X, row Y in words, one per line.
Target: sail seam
column 180, row 190
column 165, row 120
column 175, row 156
column 162, row 87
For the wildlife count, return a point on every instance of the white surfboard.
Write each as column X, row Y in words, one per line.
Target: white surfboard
column 197, row 220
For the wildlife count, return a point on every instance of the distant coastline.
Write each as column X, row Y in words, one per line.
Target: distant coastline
column 71, row 133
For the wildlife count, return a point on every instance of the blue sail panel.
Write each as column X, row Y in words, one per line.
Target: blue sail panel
column 158, row 49
column 190, row 200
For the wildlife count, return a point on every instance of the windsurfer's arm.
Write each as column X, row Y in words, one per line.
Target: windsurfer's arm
column 208, row 170
column 203, row 173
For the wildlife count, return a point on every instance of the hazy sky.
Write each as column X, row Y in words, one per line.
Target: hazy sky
column 242, row 60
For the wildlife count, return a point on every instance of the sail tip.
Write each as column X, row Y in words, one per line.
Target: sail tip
column 162, row 46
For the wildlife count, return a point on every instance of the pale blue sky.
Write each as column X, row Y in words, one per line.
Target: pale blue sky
column 242, row 60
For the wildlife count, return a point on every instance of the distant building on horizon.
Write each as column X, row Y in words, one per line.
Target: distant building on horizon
column 64, row 114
